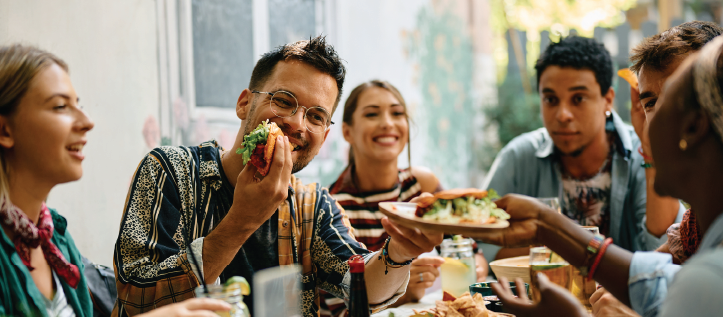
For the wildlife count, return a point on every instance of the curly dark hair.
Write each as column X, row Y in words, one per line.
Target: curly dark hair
column 659, row 50
column 579, row 53
column 314, row 51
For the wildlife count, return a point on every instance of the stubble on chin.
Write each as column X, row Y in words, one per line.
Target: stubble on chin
column 301, row 162
column 570, row 153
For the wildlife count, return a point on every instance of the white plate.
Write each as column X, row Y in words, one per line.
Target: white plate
column 404, row 213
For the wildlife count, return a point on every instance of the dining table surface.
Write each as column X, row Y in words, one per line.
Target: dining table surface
column 406, row 310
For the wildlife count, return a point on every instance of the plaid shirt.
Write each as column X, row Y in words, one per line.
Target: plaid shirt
column 177, row 197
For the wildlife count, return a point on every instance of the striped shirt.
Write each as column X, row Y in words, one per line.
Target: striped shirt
column 362, row 208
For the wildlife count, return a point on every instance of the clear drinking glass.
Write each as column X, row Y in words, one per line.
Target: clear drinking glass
column 232, row 296
column 580, row 286
column 544, row 260
column 458, row 271
column 552, row 202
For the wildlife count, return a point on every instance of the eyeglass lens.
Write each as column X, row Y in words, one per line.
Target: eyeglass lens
column 284, row 105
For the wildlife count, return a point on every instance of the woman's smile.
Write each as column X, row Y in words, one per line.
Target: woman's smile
column 386, row 140
column 76, row 150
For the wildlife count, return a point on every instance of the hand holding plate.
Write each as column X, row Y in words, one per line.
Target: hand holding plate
column 408, row 243
column 525, row 216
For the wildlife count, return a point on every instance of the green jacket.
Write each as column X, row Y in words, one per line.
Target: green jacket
column 18, row 294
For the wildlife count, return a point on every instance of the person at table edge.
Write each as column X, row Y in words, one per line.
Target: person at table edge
column 203, row 199
column 585, row 155
column 686, row 138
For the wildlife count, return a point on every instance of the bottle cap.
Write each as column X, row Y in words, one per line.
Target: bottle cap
column 356, row 264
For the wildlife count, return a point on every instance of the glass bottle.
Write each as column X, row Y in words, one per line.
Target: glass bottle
column 358, row 302
column 233, row 297
column 459, row 270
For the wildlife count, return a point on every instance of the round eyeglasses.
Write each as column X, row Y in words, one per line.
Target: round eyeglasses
column 285, row 105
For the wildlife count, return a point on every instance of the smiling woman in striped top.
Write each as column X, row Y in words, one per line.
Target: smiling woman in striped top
column 376, row 125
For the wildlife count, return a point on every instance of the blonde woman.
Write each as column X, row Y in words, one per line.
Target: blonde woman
column 42, row 135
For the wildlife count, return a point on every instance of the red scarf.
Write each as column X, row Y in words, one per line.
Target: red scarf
column 28, row 236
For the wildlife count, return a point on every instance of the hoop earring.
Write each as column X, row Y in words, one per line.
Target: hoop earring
column 683, row 144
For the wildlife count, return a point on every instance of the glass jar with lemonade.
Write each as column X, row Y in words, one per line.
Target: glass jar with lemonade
column 458, row 271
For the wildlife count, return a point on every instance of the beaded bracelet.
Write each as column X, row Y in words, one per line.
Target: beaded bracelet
column 388, row 262
column 598, row 259
column 592, row 248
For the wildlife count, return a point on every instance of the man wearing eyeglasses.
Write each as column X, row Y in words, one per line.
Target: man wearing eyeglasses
column 198, row 215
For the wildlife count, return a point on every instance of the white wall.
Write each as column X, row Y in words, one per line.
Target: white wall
column 110, row 47
column 113, row 51
column 375, row 37
column 368, row 36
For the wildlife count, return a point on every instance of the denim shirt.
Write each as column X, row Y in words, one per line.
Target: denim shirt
column 658, row 287
column 527, row 166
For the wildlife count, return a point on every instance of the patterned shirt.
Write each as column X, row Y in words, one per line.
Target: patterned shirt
column 178, row 196
column 587, row 201
column 684, row 237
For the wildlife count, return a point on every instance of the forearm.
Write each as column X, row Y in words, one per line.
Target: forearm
column 382, row 286
column 660, row 212
column 505, row 253
column 222, row 245
column 570, row 241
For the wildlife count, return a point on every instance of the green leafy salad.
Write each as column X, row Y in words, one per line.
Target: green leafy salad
column 464, row 209
column 257, row 136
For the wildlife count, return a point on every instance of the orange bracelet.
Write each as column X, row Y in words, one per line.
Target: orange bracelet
column 598, row 259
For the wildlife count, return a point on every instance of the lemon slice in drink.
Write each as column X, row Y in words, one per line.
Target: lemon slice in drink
column 455, row 264
column 555, row 258
column 238, row 282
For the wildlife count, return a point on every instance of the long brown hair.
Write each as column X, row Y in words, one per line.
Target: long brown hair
column 352, row 103
column 19, row 64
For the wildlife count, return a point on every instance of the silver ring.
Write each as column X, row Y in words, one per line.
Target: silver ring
column 421, row 278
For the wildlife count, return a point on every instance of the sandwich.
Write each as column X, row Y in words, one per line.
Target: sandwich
column 258, row 146
column 461, row 206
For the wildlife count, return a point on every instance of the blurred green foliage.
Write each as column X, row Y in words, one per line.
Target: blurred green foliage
column 515, row 113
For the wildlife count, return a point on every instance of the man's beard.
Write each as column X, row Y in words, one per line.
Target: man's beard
column 301, row 162
column 304, row 152
column 572, row 154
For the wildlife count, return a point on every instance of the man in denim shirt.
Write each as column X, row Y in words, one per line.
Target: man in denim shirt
column 586, row 156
